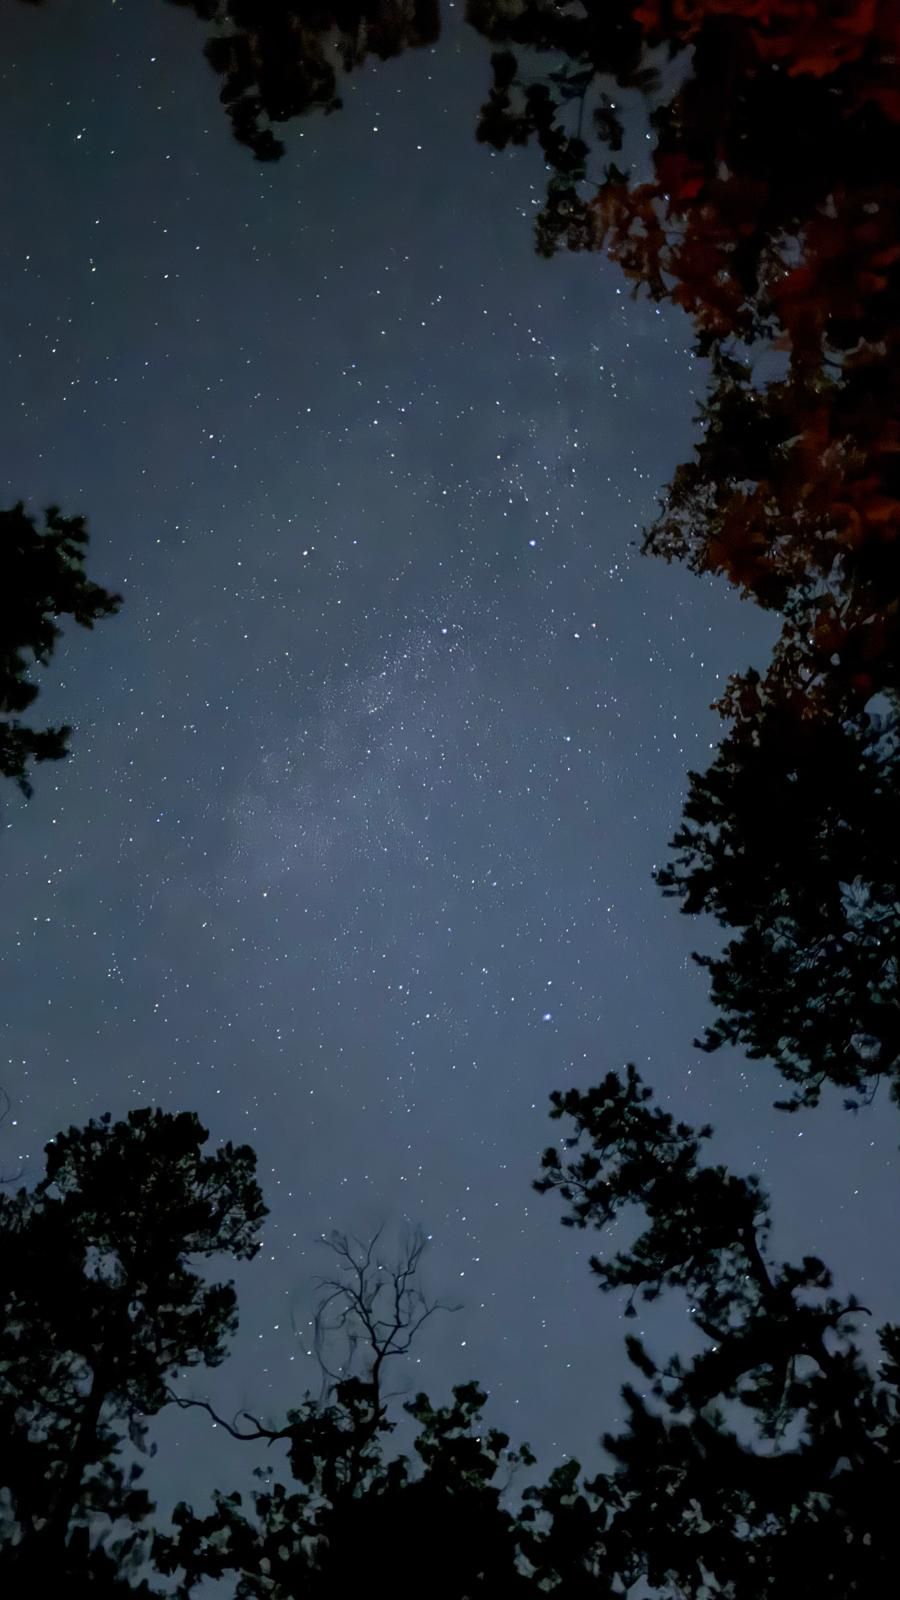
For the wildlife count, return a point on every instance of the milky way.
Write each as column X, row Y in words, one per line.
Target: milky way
column 354, row 852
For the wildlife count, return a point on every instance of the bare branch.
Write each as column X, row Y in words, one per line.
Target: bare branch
column 203, row 1405
column 260, row 1431
column 373, row 1311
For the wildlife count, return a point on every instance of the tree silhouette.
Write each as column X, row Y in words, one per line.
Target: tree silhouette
column 793, row 494
column 393, row 1526
column 773, row 1452
column 101, row 1305
column 282, row 60
column 365, row 1317
column 771, row 215
column 767, row 207
column 769, row 210
column 371, row 1312
column 356, row 1515
column 43, row 579
column 772, row 1457
column 791, row 836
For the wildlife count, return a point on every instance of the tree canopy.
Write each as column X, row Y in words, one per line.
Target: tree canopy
column 771, row 214
column 101, row 1303
column 791, row 837
column 769, row 1448
column 765, row 203
column 43, row 580
column 282, row 60
column 767, row 209
column 357, row 1516
column 774, row 1452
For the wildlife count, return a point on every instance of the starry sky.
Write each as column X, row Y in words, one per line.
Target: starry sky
column 353, row 855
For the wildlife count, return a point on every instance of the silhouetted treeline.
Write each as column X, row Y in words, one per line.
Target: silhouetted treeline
column 766, row 208
column 773, row 1452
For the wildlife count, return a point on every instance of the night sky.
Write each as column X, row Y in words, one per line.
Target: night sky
column 353, row 854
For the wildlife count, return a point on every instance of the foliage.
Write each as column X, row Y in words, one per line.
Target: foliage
column 774, row 1452
column 356, row 1518
column 354, row 1507
column 769, row 211
column 768, row 208
column 43, row 580
column 765, row 203
column 100, row 1304
column 282, row 60
column 791, row 837
column 771, row 214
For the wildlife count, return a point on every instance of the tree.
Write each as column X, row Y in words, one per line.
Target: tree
column 772, row 1454
column 101, row 1305
column 396, row 1528
column 772, row 1457
column 769, row 210
column 357, row 1516
column 281, row 60
column 372, row 1311
column 791, row 837
column 771, row 214
column 43, row 580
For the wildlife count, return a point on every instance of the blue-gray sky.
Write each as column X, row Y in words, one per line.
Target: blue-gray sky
column 353, row 854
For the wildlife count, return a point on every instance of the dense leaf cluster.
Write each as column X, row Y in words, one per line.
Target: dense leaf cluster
column 280, row 59
column 791, row 838
column 101, row 1303
column 42, row 579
